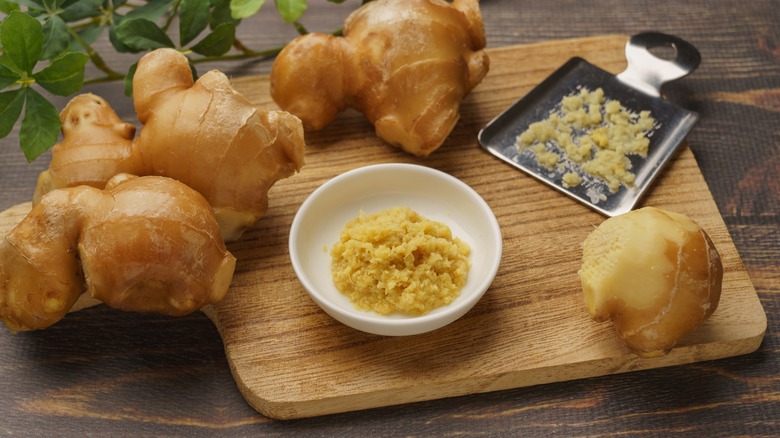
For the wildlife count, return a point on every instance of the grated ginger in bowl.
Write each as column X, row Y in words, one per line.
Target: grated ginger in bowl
column 398, row 261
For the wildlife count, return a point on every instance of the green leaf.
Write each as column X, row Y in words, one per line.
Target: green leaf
column 245, row 8
column 141, row 34
column 11, row 103
column 28, row 3
column 217, row 42
column 22, row 38
column 8, row 7
column 194, row 17
column 56, row 35
column 40, row 125
column 7, row 62
column 82, row 9
column 118, row 45
column 193, row 70
column 7, row 76
column 65, row 75
column 221, row 14
column 129, row 79
column 152, row 10
column 291, row 10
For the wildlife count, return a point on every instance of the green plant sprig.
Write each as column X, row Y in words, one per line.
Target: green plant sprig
column 47, row 44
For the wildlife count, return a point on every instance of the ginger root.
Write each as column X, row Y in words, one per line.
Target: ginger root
column 656, row 274
column 96, row 146
column 405, row 64
column 202, row 133
column 148, row 244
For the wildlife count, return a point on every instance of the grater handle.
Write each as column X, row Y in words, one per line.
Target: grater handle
column 647, row 72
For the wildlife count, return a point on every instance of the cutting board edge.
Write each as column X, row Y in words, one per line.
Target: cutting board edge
column 601, row 367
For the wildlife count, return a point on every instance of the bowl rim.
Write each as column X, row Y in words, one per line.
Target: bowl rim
column 453, row 309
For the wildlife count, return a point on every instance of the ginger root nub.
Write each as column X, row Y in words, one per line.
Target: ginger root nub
column 148, row 244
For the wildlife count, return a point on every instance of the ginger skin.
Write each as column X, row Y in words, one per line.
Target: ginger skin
column 405, row 64
column 148, row 244
column 96, row 145
column 202, row 133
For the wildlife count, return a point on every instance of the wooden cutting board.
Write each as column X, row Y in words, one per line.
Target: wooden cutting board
column 291, row 360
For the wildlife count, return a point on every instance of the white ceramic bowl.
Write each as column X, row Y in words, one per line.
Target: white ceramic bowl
column 431, row 193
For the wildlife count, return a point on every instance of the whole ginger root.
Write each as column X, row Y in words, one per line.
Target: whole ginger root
column 148, row 244
column 405, row 64
column 202, row 133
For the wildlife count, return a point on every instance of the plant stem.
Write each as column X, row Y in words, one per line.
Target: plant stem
column 300, row 28
column 102, row 80
column 95, row 57
column 84, row 25
column 240, row 46
column 248, row 54
column 173, row 13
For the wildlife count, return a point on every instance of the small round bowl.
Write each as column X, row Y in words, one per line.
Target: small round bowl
column 433, row 194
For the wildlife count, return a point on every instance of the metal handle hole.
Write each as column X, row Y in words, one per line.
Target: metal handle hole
column 666, row 52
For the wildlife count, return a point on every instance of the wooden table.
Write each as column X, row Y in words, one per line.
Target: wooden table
column 100, row 371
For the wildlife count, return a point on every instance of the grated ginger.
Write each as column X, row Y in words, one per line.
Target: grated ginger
column 398, row 261
column 590, row 135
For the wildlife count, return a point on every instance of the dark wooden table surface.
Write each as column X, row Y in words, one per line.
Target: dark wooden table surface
column 102, row 372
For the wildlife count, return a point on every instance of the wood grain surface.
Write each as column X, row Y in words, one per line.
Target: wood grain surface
column 291, row 360
column 102, row 372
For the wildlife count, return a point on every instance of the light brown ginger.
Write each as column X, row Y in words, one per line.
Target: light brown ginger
column 654, row 273
column 202, row 133
column 405, row 64
column 148, row 244
column 96, row 146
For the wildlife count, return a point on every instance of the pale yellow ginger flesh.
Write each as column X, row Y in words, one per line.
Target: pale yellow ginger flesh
column 405, row 64
column 654, row 273
column 202, row 133
column 398, row 261
column 587, row 134
column 148, row 244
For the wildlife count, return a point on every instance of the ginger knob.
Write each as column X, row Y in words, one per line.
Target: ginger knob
column 210, row 137
column 654, row 273
column 202, row 133
column 148, row 244
column 96, row 145
column 405, row 64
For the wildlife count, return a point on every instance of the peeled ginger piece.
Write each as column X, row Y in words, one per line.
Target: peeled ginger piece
column 654, row 273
